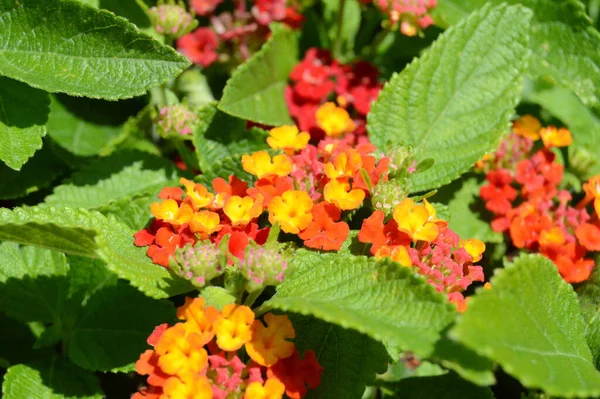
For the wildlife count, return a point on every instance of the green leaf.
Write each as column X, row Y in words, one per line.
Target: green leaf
column 33, row 282
column 91, row 234
column 116, row 177
column 344, row 38
column 446, row 386
column 133, row 212
column 564, row 43
column 380, row 299
column 50, row 379
column 467, row 363
column 454, row 109
column 224, row 168
column 589, row 301
column 77, row 135
column 221, row 136
column 65, row 46
column 23, row 115
column 39, row 172
column 217, row 297
column 110, row 331
column 350, row 360
column 469, row 218
column 255, row 91
column 529, row 323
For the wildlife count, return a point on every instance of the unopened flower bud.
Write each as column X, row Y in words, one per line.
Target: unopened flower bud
column 402, row 159
column 176, row 121
column 172, row 20
column 262, row 267
column 199, row 263
column 387, row 195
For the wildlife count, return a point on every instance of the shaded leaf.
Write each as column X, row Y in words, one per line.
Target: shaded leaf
column 446, row 386
column 23, row 115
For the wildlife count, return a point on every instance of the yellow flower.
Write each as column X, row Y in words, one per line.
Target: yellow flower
column 291, row 210
column 171, row 212
column 269, row 344
column 189, row 386
column 553, row 137
column 335, row 121
column 205, row 223
column 199, row 319
column 345, row 164
column 273, row 389
column 233, row 328
column 260, row 164
column 398, row 254
column 339, row 194
column 241, row 211
column 475, row 248
column 528, row 126
column 287, row 138
column 179, row 352
column 197, row 194
column 413, row 219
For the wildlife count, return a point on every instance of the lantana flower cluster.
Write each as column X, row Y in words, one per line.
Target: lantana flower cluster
column 233, row 36
column 225, row 354
column 415, row 236
column 410, row 16
column 330, row 99
column 523, row 192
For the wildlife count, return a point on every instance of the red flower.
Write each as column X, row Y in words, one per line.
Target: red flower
column 293, row 18
column 204, row 7
column 269, row 187
column 588, row 235
column 498, row 194
column 234, row 187
column 267, row 11
column 296, row 374
column 323, row 232
column 143, row 238
column 175, row 193
column 200, row 46
column 375, row 232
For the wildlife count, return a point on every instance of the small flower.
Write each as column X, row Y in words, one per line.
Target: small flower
column 233, row 328
column 261, row 165
column 204, row 7
column 172, row 212
column 200, row 46
column 287, row 138
column 178, row 354
column 398, row 254
column 323, row 232
column 270, row 343
column 197, row 194
column 188, row 386
column 175, row 121
column 335, row 121
column 205, row 223
column 527, row 126
column 553, row 137
column 340, row 194
column 345, row 164
column 241, row 211
column 475, row 248
column 413, row 220
column 273, row 389
column 296, row 374
column 291, row 210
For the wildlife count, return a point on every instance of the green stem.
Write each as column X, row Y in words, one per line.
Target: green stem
column 337, row 48
column 252, row 297
column 185, row 155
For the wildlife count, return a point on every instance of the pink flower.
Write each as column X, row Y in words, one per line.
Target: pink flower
column 204, row 7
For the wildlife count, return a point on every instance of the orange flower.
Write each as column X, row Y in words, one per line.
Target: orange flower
column 323, row 233
column 233, row 328
column 475, row 248
column 287, row 138
column 589, row 236
column 205, row 223
column 197, row 194
column 225, row 190
column 269, row 344
column 553, row 137
column 181, row 351
column 339, row 194
column 273, row 389
column 592, row 193
column 242, row 210
column 171, row 212
column 552, row 236
column 528, row 126
column 413, row 220
column 344, row 165
column 433, row 215
column 291, row 210
column 189, row 386
column 261, row 165
column 398, row 254
column 269, row 187
column 335, row 121
column 199, row 318
column 296, row 373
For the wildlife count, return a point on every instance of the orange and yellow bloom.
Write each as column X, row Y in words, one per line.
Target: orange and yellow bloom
column 291, row 210
column 287, row 138
column 260, row 164
column 335, row 121
column 414, row 220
